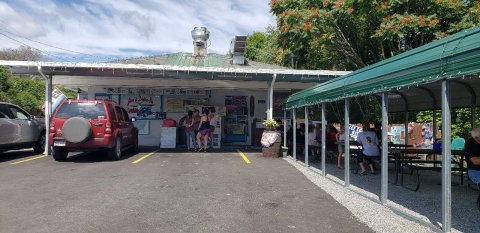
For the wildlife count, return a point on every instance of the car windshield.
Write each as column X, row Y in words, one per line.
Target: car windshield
column 89, row 110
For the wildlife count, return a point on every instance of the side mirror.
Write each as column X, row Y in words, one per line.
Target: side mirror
column 133, row 119
column 32, row 117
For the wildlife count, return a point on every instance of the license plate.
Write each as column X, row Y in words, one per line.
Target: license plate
column 59, row 143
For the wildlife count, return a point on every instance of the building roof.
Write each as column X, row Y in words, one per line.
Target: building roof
column 186, row 59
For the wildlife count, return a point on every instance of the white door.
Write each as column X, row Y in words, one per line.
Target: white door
column 28, row 129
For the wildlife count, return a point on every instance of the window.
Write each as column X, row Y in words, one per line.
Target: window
column 5, row 111
column 18, row 113
column 119, row 114
column 125, row 115
column 111, row 110
column 89, row 110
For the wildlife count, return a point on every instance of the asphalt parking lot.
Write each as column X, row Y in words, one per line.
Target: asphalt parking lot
column 163, row 192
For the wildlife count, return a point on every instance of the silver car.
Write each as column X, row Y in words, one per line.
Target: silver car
column 19, row 130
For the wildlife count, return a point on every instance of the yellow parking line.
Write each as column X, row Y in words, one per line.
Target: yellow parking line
column 144, row 157
column 30, row 159
column 247, row 161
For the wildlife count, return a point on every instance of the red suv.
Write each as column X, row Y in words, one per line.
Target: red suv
column 85, row 125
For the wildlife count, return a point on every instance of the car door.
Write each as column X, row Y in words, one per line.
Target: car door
column 8, row 127
column 28, row 128
column 128, row 127
column 121, row 125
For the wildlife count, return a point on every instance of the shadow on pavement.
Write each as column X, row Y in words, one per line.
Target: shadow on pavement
column 8, row 156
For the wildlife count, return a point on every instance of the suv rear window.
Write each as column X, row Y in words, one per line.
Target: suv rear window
column 89, row 110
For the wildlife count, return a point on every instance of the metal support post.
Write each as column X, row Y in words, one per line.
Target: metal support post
column 324, row 126
column 306, row 136
column 347, row 144
column 294, row 135
column 384, row 189
column 270, row 97
column 446, row 168
column 406, row 128
column 285, row 128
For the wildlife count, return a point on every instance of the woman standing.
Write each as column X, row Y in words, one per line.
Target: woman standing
column 203, row 131
column 341, row 145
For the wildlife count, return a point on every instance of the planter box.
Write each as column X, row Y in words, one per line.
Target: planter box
column 274, row 150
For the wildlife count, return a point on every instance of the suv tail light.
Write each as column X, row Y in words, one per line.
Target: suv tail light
column 52, row 128
column 108, row 128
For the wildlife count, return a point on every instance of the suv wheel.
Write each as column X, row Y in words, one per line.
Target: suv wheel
column 39, row 147
column 115, row 153
column 59, row 153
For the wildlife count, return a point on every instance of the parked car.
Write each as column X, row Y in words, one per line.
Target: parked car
column 19, row 130
column 86, row 125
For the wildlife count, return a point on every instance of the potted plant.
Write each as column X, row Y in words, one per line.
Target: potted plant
column 271, row 139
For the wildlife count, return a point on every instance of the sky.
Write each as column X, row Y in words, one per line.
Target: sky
column 98, row 30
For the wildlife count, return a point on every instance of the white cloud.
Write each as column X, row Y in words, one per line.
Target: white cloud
column 127, row 27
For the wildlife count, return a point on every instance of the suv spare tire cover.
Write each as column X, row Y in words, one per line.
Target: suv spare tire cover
column 76, row 130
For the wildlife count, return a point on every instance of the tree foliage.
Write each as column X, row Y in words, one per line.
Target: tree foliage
column 350, row 34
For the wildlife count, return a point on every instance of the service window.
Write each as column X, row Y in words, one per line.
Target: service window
column 18, row 113
column 111, row 110
column 119, row 114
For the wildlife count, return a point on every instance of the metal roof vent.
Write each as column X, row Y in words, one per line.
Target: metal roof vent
column 200, row 36
column 238, row 48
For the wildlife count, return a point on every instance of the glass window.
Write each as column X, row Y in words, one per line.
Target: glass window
column 89, row 110
column 125, row 115
column 5, row 111
column 18, row 113
column 119, row 114
column 111, row 110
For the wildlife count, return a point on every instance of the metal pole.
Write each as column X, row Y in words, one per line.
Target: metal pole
column 285, row 128
column 384, row 190
column 306, row 136
column 434, row 134
column 406, row 128
column 324, row 126
column 294, row 135
column 347, row 144
column 270, row 97
column 446, row 169
column 48, row 111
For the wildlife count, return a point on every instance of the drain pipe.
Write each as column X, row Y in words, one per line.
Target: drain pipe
column 48, row 106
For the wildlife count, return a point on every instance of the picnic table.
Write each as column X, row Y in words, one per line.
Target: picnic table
column 409, row 157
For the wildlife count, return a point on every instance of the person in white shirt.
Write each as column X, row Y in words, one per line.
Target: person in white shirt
column 369, row 142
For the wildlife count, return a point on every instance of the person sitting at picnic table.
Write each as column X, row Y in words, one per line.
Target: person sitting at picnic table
column 369, row 142
column 472, row 156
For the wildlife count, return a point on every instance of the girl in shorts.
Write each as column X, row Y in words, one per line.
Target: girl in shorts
column 203, row 132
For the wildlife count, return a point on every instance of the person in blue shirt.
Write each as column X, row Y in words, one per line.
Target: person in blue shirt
column 369, row 140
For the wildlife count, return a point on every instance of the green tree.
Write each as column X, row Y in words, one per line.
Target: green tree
column 264, row 47
column 353, row 34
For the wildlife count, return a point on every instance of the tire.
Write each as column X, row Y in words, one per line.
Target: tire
column 39, row 147
column 135, row 144
column 76, row 130
column 59, row 153
column 115, row 153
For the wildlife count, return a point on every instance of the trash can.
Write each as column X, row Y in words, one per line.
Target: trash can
column 284, row 151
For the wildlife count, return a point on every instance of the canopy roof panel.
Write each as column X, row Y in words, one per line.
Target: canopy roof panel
column 451, row 57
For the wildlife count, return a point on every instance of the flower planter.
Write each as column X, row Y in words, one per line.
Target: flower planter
column 273, row 150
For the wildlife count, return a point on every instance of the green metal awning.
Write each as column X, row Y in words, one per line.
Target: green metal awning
column 452, row 57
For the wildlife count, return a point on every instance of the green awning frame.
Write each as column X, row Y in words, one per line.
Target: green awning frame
column 455, row 56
